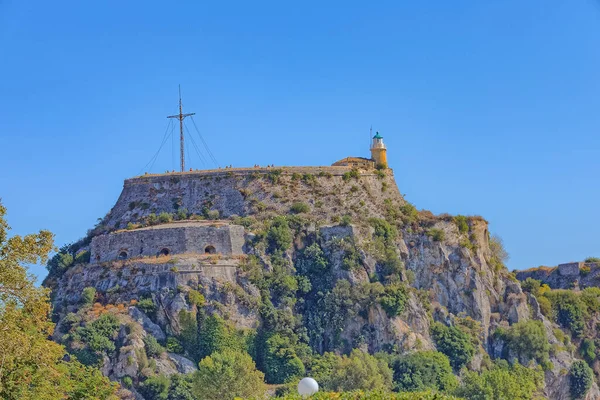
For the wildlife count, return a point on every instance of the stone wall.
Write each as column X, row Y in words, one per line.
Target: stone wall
column 565, row 276
column 174, row 238
column 244, row 192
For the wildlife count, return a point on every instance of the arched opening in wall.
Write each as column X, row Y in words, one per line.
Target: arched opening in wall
column 122, row 255
column 210, row 249
column 163, row 252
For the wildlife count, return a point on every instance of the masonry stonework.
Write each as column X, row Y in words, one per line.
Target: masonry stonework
column 169, row 239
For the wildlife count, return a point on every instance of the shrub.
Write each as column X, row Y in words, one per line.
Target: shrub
column 152, row 219
column 588, row 350
column 146, row 305
column 383, row 230
column 153, row 348
column 88, row 295
column 410, row 214
column 545, row 306
column 454, row 343
column 532, row 286
column 350, row 175
column 502, row 382
column 164, row 217
column 360, row 371
column 423, row 370
column 228, row 375
column 279, row 236
column 346, row 220
column 155, row 387
column 196, row 298
column 581, row 377
column 394, row 299
column 127, row 381
column 182, row 214
column 461, row 223
column 213, row 214
column 281, row 364
column 568, row 310
column 299, row 207
column 437, row 235
column 528, row 340
column 592, row 260
column 174, row 345
column 82, row 257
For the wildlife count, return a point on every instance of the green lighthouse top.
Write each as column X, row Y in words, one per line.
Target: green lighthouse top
column 377, row 136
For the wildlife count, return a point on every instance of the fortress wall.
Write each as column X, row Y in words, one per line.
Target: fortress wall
column 148, row 242
column 239, row 191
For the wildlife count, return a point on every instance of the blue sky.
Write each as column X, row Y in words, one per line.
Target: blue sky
column 487, row 107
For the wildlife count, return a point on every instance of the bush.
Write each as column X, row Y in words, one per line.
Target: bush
column 532, row 286
column 82, row 257
column 383, row 230
column 437, row 235
column 153, row 348
column 545, row 306
column 454, row 343
column 127, row 381
column 196, row 298
column 279, row 236
column 592, row 260
column 228, row 375
column 280, row 359
column 174, row 345
column 502, row 382
column 568, row 310
column 164, row 217
column 155, row 388
column 461, row 223
column 146, row 305
column 360, row 371
column 345, row 220
column 350, row 175
column 588, row 350
column 423, row 370
column 182, row 214
column 394, row 299
column 581, row 377
column 299, row 207
column 528, row 340
column 213, row 214
column 88, row 295
column 410, row 214
column 152, row 219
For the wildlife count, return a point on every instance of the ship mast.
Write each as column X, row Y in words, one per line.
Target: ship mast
column 181, row 116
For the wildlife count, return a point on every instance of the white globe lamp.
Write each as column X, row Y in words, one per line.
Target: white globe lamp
column 308, row 387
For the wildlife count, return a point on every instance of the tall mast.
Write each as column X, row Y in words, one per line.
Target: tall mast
column 181, row 116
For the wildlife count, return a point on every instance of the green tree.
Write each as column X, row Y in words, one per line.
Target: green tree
column 527, row 340
column 155, row 388
column 423, row 370
column 394, row 299
column 215, row 335
column 31, row 366
column 581, row 377
column 228, row 374
column 502, row 382
column 360, row 371
column 87, row 295
column 153, row 348
column 279, row 236
column 454, row 343
column 568, row 310
column 280, row 360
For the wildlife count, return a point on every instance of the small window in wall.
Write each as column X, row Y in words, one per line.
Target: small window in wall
column 122, row 255
column 210, row 250
column 163, row 252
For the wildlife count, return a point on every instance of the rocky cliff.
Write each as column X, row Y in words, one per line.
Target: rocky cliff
column 333, row 259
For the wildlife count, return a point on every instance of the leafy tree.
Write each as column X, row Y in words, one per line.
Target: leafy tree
column 581, row 377
column 188, row 335
column 569, row 311
column 153, row 348
column 31, row 366
column 216, row 336
column 360, row 371
column 502, row 382
column 394, row 299
column 279, row 236
column 87, row 295
column 532, row 286
column 280, row 360
column 454, row 343
column 528, row 340
column 155, row 388
column 181, row 387
column 196, row 298
column 228, row 374
column 588, row 350
column 423, row 370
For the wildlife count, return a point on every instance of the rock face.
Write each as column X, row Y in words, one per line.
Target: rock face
column 343, row 227
column 565, row 276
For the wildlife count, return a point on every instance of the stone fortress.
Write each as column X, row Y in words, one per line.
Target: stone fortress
column 195, row 191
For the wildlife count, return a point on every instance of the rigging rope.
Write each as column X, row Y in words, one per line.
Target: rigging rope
column 202, row 159
column 164, row 140
column 212, row 157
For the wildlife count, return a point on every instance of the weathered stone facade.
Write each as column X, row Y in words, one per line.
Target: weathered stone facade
column 168, row 239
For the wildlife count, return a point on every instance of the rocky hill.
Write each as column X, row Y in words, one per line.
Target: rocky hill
column 288, row 264
column 566, row 276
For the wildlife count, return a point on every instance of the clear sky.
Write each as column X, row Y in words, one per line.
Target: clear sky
column 487, row 107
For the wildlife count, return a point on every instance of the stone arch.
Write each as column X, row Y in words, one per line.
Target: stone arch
column 210, row 249
column 163, row 252
column 123, row 255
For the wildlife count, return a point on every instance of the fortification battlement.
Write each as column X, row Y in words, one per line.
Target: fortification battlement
column 336, row 170
column 169, row 239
